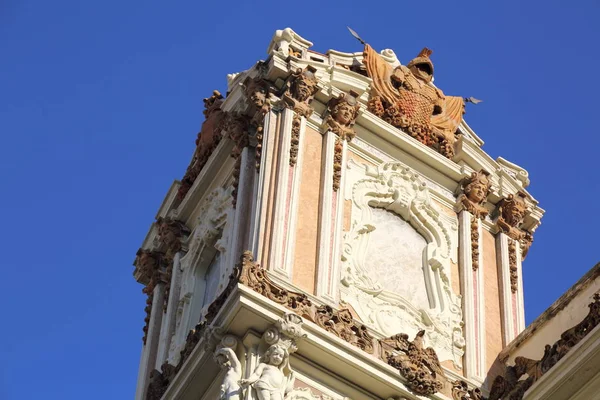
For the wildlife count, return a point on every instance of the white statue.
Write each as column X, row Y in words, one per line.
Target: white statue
column 273, row 378
column 230, row 388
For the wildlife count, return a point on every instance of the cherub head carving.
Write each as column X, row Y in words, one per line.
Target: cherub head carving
column 276, row 355
column 421, row 66
column 478, row 187
column 303, row 84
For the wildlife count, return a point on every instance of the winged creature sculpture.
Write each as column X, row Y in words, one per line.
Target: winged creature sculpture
column 406, row 98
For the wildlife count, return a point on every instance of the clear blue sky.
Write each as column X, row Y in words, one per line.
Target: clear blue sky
column 101, row 103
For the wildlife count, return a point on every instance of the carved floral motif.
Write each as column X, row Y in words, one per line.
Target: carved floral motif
column 420, row 366
column 510, row 386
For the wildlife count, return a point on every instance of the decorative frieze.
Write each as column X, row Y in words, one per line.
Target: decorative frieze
column 207, row 140
column 510, row 386
column 420, row 366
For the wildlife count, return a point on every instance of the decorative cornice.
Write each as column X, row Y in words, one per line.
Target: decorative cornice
column 419, row 366
column 510, row 386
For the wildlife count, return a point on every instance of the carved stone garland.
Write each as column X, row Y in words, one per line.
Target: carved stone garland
column 511, row 212
column 151, row 268
column 512, row 265
column 509, row 385
column 299, row 91
column 170, row 235
column 474, row 243
column 475, row 190
column 340, row 117
column 396, row 188
column 258, row 92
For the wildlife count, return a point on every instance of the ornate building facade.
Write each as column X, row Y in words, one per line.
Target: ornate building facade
column 340, row 234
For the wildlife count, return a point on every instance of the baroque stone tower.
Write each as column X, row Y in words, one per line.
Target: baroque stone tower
column 339, row 233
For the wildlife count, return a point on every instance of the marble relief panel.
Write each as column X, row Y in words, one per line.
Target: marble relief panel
column 397, row 258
